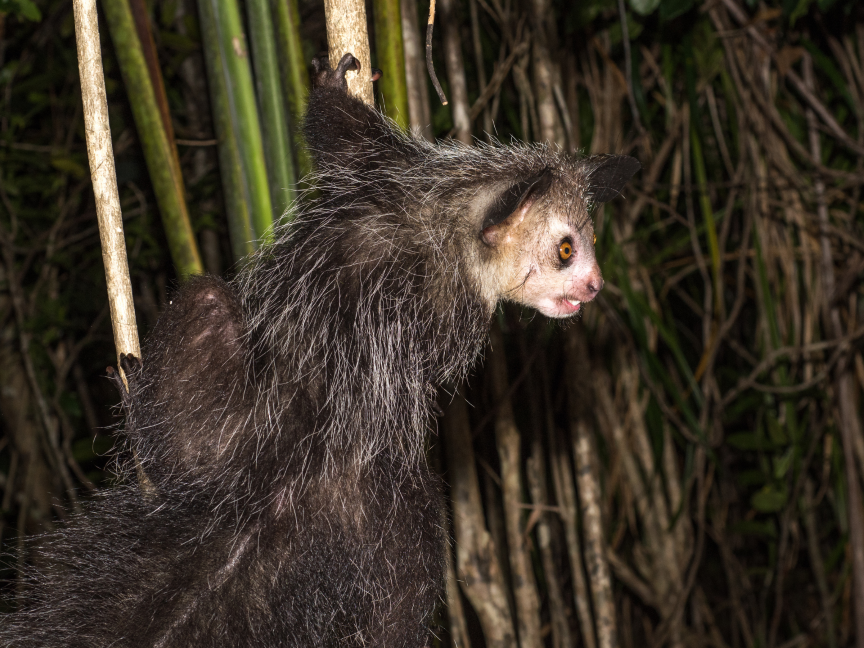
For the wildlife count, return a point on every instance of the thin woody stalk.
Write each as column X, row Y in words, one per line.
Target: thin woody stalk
column 415, row 70
column 850, row 423
column 478, row 566
column 100, row 154
column 507, row 439
column 455, row 71
column 588, row 483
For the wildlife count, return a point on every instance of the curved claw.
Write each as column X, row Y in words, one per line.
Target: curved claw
column 131, row 366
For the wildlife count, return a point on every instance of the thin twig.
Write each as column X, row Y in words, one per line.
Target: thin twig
column 430, row 27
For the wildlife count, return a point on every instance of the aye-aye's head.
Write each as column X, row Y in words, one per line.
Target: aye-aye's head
column 536, row 238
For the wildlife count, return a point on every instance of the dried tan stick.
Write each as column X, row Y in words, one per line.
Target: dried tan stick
column 498, row 75
column 767, row 108
column 631, row 579
column 718, row 130
column 816, row 562
column 101, row 156
column 418, row 93
column 50, row 439
column 659, row 559
column 507, row 439
column 850, row 424
column 565, row 493
column 478, row 565
column 493, row 87
column 595, row 542
column 455, row 612
column 588, row 482
column 749, row 381
column 536, row 472
column 551, row 128
column 455, row 71
column 430, row 66
column 347, row 33
column 628, row 69
column 800, row 85
column 479, row 63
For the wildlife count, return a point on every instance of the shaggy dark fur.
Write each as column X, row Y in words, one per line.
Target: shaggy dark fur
column 280, row 418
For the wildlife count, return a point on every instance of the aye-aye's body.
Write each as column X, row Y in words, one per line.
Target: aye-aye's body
column 280, row 419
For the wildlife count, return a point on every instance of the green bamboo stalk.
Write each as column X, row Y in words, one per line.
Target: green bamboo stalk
column 391, row 59
column 295, row 74
column 238, row 210
column 243, row 110
column 274, row 118
column 158, row 151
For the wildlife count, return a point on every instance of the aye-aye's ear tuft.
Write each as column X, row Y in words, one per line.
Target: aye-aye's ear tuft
column 515, row 199
column 609, row 175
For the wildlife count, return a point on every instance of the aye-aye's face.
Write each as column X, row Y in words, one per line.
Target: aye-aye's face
column 545, row 262
column 552, row 266
column 542, row 251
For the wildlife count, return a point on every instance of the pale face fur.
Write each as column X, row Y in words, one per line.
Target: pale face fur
column 525, row 264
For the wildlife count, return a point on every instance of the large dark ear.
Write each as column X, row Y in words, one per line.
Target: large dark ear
column 609, row 175
column 515, row 199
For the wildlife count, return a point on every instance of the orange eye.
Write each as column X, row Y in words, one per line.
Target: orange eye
column 565, row 250
column 595, row 239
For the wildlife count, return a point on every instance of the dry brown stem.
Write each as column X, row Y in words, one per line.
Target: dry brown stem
column 415, row 71
column 455, row 70
column 101, row 156
column 850, row 424
column 536, row 474
column 565, row 493
column 588, row 482
column 508, row 441
column 478, row 565
column 545, row 74
column 803, row 88
column 455, row 613
column 816, row 562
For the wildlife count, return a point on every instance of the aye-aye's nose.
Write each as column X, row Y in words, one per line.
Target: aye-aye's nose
column 592, row 283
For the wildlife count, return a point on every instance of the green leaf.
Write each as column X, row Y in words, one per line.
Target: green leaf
column 754, row 527
column 178, row 42
column 634, row 28
column 800, row 9
column 70, row 166
column 748, row 478
column 783, row 463
column 775, row 430
column 827, row 67
column 22, row 9
column 749, row 441
column 644, row 7
column 769, row 500
column 671, row 9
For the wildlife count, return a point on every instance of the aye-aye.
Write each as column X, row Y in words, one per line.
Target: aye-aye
column 279, row 419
